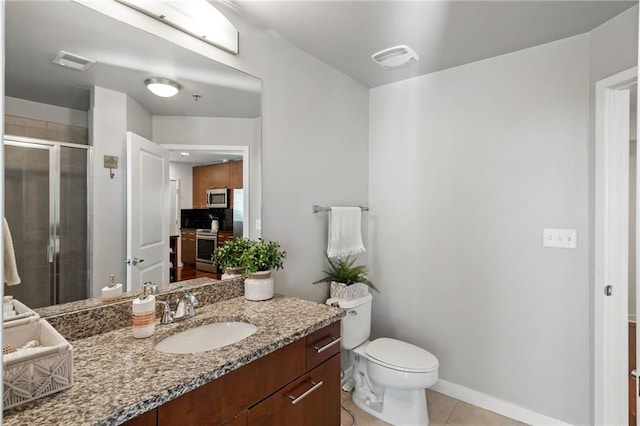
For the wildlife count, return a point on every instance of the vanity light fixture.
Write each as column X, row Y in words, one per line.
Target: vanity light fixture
column 198, row 18
column 162, row 87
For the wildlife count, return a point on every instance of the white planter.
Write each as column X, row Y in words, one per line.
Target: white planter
column 232, row 273
column 346, row 292
column 258, row 286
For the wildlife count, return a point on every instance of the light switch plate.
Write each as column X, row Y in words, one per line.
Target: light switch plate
column 560, row 238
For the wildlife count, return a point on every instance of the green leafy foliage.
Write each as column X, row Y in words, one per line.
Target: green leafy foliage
column 343, row 271
column 263, row 256
column 229, row 254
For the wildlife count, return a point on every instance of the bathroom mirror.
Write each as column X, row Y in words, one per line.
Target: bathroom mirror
column 216, row 106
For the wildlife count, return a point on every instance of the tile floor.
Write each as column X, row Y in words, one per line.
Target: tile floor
column 443, row 410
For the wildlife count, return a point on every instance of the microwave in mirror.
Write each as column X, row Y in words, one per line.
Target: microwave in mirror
column 218, row 198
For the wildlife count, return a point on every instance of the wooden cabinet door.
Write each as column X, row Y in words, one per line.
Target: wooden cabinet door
column 235, row 174
column 150, row 418
column 188, row 240
column 228, row 397
column 219, row 175
column 199, row 186
column 311, row 400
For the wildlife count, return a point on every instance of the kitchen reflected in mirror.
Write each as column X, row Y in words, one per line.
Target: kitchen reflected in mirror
column 66, row 213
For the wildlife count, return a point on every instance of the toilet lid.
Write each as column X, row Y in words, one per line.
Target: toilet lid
column 401, row 355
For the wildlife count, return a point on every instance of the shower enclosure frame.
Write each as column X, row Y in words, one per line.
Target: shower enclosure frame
column 53, row 249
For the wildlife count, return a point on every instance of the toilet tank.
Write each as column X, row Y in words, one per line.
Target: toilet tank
column 356, row 326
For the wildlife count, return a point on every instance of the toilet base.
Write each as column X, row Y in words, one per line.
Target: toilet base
column 401, row 408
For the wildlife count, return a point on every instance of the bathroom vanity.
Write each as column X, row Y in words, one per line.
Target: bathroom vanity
column 298, row 384
column 287, row 372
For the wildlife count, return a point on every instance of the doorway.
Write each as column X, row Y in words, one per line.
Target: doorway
column 611, row 254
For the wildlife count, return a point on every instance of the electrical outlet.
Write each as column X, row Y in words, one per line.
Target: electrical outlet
column 560, row 238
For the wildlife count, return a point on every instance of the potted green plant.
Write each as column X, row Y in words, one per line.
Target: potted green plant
column 259, row 260
column 228, row 256
column 348, row 281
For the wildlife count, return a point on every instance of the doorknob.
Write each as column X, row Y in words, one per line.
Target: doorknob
column 133, row 262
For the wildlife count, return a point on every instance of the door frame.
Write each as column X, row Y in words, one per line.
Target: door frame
column 242, row 149
column 610, row 328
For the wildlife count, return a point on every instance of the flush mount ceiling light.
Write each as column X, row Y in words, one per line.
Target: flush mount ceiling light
column 395, row 57
column 197, row 18
column 162, row 86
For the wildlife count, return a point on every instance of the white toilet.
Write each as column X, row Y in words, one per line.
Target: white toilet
column 389, row 375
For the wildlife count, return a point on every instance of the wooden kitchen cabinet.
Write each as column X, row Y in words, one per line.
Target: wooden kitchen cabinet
column 223, row 237
column 235, row 174
column 199, row 186
column 260, row 393
column 188, row 240
column 219, row 176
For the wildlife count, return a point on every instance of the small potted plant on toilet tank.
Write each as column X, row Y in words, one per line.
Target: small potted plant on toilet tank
column 259, row 260
column 347, row 281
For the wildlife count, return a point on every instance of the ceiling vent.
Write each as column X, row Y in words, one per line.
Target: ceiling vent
column 394, row 57
column 73, row 61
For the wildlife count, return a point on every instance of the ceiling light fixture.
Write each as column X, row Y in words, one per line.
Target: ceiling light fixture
column 198, row 18
column 394, row 57
column 162, row 86
column 184, row 154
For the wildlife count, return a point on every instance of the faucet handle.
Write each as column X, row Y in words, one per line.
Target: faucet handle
column 167, row 314
column 192, row 299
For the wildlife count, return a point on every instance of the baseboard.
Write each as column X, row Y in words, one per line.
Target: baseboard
column 496, row 405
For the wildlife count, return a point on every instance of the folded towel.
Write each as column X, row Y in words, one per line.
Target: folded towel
column 11, row 276
column 345, row 234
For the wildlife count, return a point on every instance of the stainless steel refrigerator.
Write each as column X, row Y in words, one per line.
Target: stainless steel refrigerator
column 238, row 212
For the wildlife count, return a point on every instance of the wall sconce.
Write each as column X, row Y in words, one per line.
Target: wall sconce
column 111, row 162
column 162, row 87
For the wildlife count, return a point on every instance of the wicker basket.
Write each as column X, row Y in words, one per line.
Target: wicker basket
column 41, row 371
column 22, row 313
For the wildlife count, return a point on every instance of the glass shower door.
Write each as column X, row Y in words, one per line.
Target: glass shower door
column 46, row 209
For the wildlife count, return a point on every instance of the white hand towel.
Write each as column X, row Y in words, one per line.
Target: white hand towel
column 11, row 276
column 345, row 233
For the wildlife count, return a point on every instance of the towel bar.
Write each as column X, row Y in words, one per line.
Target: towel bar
column 317, row 209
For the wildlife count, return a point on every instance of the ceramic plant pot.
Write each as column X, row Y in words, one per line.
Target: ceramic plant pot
column 232, row 273
column 258, row 286
column 348, row 292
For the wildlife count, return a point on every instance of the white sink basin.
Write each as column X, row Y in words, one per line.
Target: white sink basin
column 206, row 337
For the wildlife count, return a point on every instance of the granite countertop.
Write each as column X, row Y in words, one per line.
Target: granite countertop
column 117, row 377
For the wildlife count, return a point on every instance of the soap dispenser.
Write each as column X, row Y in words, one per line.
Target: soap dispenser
column 113, row 291
column 143, row 320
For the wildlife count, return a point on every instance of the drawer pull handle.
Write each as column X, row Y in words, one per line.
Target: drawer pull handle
column 334, row 340
column 295, row 400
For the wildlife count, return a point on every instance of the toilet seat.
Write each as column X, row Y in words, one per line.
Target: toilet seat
column 401, row 356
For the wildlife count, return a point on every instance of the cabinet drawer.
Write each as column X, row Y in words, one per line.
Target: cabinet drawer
column 322, row 344
column 223, row 398
column 311, row 400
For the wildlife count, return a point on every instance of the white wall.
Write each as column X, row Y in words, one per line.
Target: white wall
column 45, row 112
column 139, row 120
column 108, row 135
column 477, row 160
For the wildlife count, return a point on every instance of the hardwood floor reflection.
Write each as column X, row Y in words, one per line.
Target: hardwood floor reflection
column 189, row 272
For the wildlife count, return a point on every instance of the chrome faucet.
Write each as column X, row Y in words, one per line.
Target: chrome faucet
column 185, row 308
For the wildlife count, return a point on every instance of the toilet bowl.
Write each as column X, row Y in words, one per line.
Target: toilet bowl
column 389, row 376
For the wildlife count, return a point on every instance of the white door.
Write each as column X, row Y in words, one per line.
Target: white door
column 147, row 213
